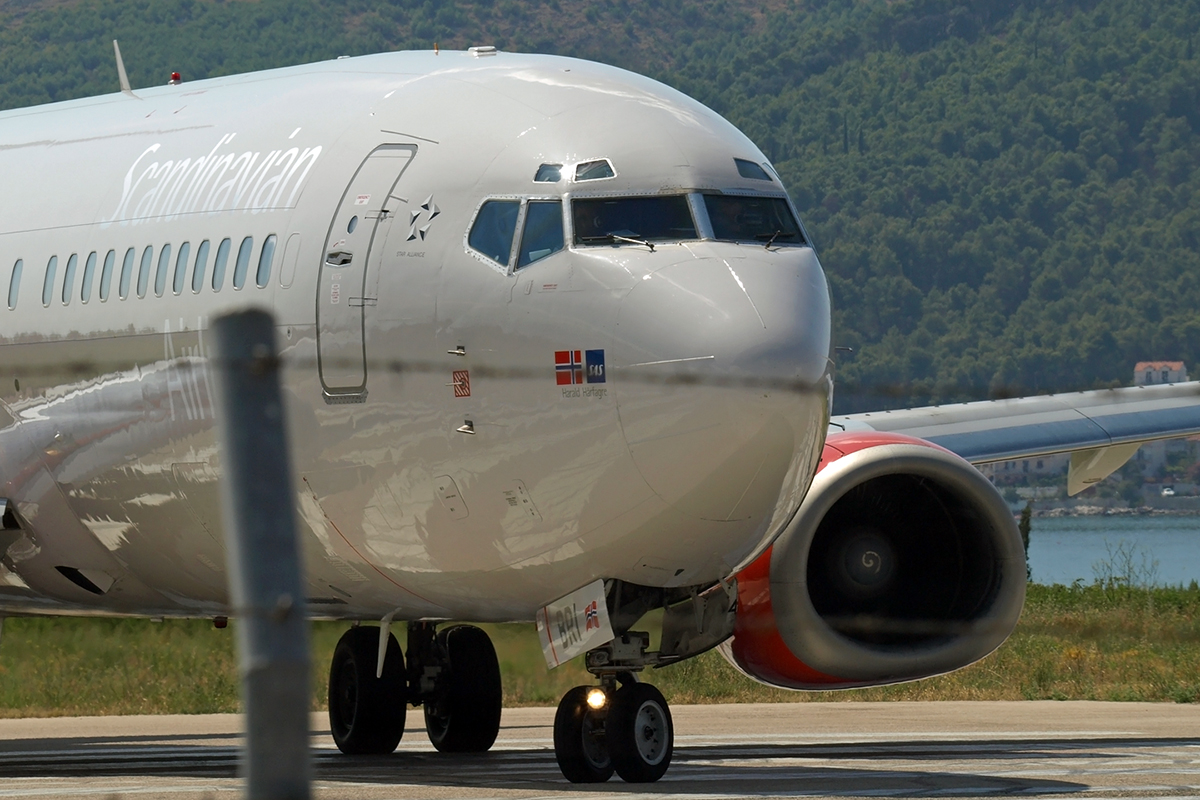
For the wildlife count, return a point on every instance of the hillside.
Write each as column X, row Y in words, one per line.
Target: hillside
column 1006, row 195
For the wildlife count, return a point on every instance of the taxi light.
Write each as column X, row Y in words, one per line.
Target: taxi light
column 596, row 698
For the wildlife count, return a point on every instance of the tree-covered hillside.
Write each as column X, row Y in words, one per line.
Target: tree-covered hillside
column 1006, row 195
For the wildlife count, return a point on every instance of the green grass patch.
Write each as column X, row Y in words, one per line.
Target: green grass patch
column 1073, row 643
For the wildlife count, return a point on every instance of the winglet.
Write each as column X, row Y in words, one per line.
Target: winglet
column 121, row 70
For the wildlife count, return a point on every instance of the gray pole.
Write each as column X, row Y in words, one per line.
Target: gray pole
column 265, row 575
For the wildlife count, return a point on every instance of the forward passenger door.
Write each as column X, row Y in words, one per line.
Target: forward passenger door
column 342, row 298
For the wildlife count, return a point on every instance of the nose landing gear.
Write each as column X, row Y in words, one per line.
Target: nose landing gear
column 453, row 673
column 599, row 730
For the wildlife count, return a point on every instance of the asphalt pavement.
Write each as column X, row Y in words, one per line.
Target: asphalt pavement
column 810, row 750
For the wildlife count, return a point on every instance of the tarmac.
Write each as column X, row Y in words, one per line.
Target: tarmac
column 810, row 750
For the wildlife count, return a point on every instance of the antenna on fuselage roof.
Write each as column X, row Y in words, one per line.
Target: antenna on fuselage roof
column 121, row 71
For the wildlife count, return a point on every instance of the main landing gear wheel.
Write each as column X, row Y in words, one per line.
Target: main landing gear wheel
column 579, row 741
column 639, row 733
column 366, row 714
column 465, row 717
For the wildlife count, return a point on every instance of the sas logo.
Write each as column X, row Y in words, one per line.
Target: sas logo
column 578, row 366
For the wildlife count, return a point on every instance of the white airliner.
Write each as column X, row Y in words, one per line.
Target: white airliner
column 558, row 350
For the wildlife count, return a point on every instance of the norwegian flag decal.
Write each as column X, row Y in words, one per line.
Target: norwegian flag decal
column 568, row 367
column 591, row 616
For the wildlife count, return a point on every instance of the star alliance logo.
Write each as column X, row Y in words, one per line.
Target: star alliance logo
column 429, row 211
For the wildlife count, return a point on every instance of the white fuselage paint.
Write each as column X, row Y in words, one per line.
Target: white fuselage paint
column 107, row 445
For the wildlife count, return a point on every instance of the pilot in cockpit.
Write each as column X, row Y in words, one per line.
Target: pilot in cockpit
column 729, row 218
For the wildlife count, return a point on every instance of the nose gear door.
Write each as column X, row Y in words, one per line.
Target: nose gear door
column 341, row 291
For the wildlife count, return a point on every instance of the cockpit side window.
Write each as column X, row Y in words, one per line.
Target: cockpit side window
column 752, row 219
column 543, row 234
column 594, row 170
column 494, row 228
column 617, row 220
column 548, row 173
column 748, row 169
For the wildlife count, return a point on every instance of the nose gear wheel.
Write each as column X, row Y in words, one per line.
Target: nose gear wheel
column 640, row 733
column 632, row 735
column 580, row 746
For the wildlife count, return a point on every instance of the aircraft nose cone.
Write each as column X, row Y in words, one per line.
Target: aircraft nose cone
column 719, row 366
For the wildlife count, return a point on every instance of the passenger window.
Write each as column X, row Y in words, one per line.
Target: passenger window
column 48, row 282
column 110, row 262
column 219, row 265
column 144, row 271
column 181, row 265
column 164, row 266
column 543, row 233
column 243, row 262
column 14, row 283
column 126, row 273
column 548, row 173
column 263, row 276
column 201, row 264
column 594, row 170
column 748, row 169
column 69, row 278
column 89, row 274
column 495, row 225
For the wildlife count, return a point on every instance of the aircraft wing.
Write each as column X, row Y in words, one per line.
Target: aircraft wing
column 1101, row 429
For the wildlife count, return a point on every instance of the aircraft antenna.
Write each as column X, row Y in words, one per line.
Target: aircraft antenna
column 121, row 70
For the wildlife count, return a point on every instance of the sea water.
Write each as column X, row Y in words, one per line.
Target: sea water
column 1158, row 550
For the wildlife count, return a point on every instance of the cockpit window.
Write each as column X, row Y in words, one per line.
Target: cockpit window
column 548, row 173
column 752, row 219
column 543, row 233
column 748, row 169
column 619, row 220
column 594, row 170
column 495, row 225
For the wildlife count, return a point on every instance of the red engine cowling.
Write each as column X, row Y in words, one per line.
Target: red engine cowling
column 902, row 562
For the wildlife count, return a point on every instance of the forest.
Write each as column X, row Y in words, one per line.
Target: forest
column 1005, row 195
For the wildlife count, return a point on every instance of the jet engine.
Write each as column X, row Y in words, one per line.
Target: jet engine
column 902, row 562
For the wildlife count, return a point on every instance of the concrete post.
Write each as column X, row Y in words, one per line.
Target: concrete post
column 266, row 585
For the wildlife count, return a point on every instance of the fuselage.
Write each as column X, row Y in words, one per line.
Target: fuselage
column 494, row 395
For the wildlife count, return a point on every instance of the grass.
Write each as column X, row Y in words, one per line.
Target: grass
column 1099, row 642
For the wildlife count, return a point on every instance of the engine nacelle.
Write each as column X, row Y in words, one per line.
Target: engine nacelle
column 902, row 562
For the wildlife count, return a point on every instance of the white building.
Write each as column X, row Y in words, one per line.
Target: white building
column 1151, row 372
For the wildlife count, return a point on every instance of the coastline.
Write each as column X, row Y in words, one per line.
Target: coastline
column 1110, row 511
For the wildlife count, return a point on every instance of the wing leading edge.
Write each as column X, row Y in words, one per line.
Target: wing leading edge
column 1101, row 429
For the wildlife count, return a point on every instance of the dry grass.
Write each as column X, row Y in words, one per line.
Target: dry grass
column 1073, row 643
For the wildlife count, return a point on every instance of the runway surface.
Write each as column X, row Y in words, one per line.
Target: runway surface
column 811, row 750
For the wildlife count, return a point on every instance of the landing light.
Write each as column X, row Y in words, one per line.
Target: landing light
column 596, row 698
